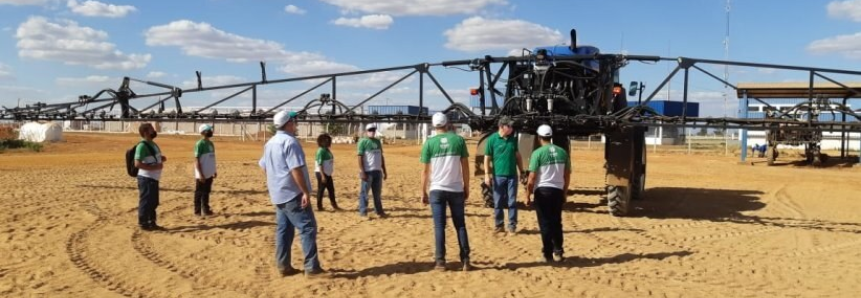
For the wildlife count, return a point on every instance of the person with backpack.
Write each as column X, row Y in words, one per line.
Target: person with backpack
column 149, row 161
column 204, row 171
column 325, row 167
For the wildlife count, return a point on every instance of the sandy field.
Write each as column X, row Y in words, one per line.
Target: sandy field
column 709, row 227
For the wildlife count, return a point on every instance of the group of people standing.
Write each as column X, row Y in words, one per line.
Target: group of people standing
column 444, row 181
column 150, row 161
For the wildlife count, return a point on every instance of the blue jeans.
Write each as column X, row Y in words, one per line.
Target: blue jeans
column 438, row 200
column 505, row 190
column 148, row 189
column 291, row 216
column 375, row 183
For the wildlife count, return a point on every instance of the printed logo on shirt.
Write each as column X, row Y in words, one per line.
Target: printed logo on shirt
column 443, row 143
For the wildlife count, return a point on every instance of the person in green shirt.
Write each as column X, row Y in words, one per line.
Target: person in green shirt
column 500, row 157
column 150, row 161
column 549, row 177
column 325, row 167
column 446, row 171
column 204, row 170
column 372, row 171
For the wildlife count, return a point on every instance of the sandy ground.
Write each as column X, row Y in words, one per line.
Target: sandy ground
column 709, row 227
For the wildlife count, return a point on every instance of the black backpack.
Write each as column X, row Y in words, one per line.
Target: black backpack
column 130, row 158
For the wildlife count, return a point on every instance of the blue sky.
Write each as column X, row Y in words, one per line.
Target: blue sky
column 53, row 51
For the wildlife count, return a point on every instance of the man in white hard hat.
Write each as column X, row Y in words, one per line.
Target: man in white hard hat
column 372, row 171
column 204, row 170
column 289, row 189
column 549, row 177
column 446, row 169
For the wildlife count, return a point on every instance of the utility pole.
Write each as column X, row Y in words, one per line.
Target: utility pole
column 726, row 76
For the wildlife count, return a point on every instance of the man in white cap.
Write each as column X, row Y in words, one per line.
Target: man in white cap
column 372, row 171
column 549, row 177
column 204, row 171
column 446, row 163
column 289, row 189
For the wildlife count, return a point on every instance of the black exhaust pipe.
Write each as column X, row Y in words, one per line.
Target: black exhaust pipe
column 573, row 39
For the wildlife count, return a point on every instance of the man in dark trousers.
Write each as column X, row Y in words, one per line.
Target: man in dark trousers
column 204, row 171
column 149, row 161
column 549, row 177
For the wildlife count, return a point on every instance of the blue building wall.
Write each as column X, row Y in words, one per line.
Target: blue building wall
column 672, row 108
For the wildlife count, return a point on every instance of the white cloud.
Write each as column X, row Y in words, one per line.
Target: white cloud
column 5, row 72
column 294, row 9
column 309, row 68
column 376, row 80
column 847, row 45
column 155, row 74
column 850, row 9
column 415, row 7
column 480, row 34
column 73, row 45
column 374, row 21
column 89, row 80
column 92, row 8
column 204, row 40
column 213, row 81
column 23, row 2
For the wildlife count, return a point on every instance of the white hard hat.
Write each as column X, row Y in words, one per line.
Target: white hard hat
column 282, row 118
column 370, row 126
column 545, row 130
column 204, row 127
column 439, row 120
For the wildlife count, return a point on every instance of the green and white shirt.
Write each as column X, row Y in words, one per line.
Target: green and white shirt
column 444, row 152
column 325, row 162
column 372, row 150
column 143, row 154
column 549, row 163
column 204, row 151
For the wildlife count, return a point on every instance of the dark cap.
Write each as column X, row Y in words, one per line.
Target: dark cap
column 505, row 120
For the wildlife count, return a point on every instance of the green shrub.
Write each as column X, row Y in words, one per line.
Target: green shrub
column 15, row 144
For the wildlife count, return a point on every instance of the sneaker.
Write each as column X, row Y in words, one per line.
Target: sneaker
column 315, row 273
column 320, row 208
column 512, row 230
column 287, row 271
column 382, row 215
column 499, row 230
column 466, row 265
column 337, row 208
column 208, row 212
column 546, row 259
column 558, row 257
column 155, row 227
column 440, row 266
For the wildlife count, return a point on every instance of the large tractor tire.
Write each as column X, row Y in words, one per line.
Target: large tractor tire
column 626, row 171
column 771, row 154
column 618, row 200
column 816, row 156
column 638, row 179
